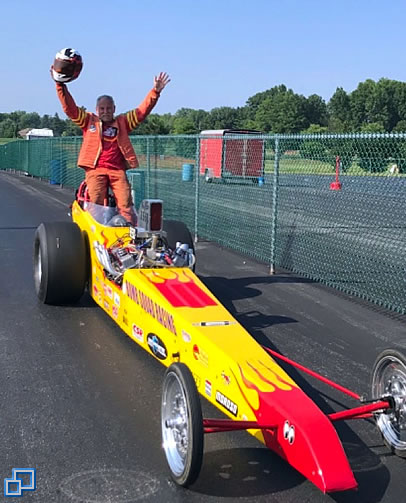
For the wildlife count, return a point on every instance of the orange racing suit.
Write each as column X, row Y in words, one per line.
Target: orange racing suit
column 106, row 152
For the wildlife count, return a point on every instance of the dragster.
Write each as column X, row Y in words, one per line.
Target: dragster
column 143, row 278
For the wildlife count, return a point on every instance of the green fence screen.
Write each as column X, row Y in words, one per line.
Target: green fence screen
column 328, row 207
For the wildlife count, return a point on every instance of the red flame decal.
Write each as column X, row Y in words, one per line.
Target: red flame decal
column 263, row 378
column 181, row 294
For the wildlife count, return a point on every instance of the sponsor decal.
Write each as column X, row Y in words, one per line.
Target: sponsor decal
column 225, row 378
column 97, row 277
column 157, row 346
column 186, row 337
column 200, row 355
column 106, row 305
column 207, row 387
column 116, row 299
column 214, row 323
column 289, row 432
column 110, row 132
column 138, row 333
column 97, row 293
column 114, row 311
column 226, row 403
column 149, row 306
column 180, row 290
column 108, row 291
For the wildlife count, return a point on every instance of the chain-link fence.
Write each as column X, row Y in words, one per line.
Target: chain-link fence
column 328, row 207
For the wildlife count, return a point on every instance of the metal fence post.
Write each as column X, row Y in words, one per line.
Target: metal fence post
column 29, row 157
column 275, row 190
column 148, row 168
column 197, row 170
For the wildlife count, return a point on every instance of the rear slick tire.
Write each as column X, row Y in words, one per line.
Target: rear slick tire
column 60, row 263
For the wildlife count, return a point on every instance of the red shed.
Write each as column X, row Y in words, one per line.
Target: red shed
column 230, row 153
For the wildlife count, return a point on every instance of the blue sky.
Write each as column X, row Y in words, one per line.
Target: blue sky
column 218, row 53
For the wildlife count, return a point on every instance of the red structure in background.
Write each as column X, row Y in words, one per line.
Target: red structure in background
column 337, row 184
column 231, row 153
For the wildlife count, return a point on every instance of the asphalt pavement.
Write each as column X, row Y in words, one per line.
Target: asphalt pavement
column 80, row 402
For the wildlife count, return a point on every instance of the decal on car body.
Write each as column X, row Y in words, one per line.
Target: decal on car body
column 226, row 403
column 149, row 306
column 138, row 333
column 180, row 290
column 157, row 346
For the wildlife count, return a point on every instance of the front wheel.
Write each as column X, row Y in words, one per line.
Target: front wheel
column 389, row 380
column 182, row 424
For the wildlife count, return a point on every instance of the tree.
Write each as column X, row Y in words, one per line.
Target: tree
column 282, row 111
column 339, row 111
column 400, row 127
column 314, row 150
column 30, row 120
column 363, row 104
column 154, row 125
column 373, row 127
column 316, row 110
column 58, row 125
column 7, row 128
column 183, row 125
column 224, row 118
column 255, row 101
column 71, row 129
column 315, row 129
column 46, row 121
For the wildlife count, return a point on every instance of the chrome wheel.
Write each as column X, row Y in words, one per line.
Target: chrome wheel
column 389, row 380
column 37, row 268
column 182, row 424
column 175, row 425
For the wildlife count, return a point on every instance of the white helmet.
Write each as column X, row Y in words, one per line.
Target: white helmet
column 67, row 65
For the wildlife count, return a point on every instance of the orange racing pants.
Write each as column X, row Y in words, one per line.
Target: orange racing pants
column 99, row 180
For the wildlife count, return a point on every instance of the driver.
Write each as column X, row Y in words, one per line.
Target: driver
column 106, row 151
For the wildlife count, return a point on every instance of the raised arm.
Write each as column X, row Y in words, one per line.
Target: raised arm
column 136, row 116
column 76, row 114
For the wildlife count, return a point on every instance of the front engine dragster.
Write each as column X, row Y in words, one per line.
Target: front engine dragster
column 143, row 278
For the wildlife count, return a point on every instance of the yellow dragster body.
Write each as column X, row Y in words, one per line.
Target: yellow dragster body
column 172, row 315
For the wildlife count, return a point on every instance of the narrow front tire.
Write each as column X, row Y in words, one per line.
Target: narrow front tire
column 389, row 380
column 182, row 424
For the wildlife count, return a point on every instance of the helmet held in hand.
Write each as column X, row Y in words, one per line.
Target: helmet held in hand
column 67, row 65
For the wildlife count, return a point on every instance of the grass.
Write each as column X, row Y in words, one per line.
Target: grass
column 300, row 166
column 8, row 140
